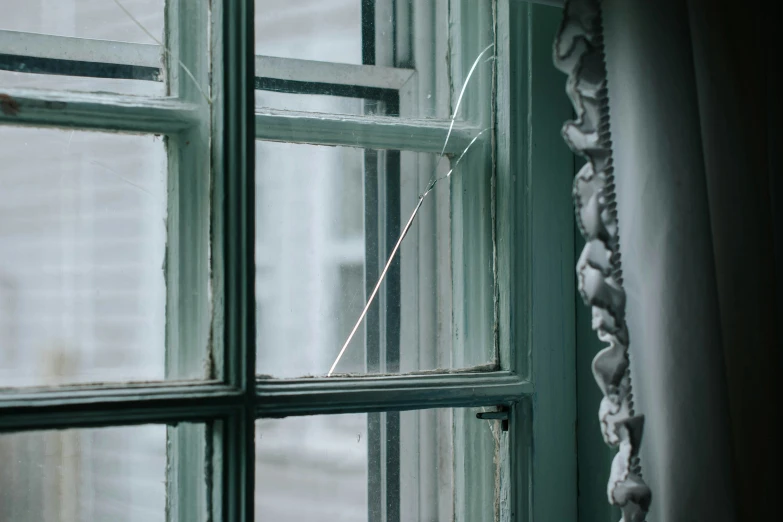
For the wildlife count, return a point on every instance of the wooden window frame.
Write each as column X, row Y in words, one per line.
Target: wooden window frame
column 534, row 252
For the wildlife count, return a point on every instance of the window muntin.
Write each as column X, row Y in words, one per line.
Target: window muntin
column 23, row 80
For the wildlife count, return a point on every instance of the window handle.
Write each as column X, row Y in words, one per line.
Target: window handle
column 501, row 414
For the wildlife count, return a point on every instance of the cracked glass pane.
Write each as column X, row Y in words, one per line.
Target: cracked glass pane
column 327, row 220
column 412, row 465
column 331, row 304
column 82, row 246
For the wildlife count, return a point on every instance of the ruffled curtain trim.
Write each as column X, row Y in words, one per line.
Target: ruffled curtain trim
column 579, row 52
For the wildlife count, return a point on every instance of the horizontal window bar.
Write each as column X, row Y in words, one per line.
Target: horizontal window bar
column 370, row 132
column 279, row 398
column 67, row 48
column 106, row 405
column 326, row 89
column 65, row 55
column 53, row 66
column 96, row 111
column 308, row 71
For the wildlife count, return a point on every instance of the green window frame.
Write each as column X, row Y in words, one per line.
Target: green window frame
column 211, row 250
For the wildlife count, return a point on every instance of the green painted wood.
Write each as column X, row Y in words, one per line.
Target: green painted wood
column 471, row 30
column 376, row 393
column 310, row 71
column 552, row 280
column 188, row 491
column 475, row 460
column 516, row 499
column 111, row 405
column 234, row 55
column 188, row 196
column 116, row 404
column 187, row 267
column 511, row 134
column 100, row 111
column 371, row 132
column 536, row 253
column 473, row 277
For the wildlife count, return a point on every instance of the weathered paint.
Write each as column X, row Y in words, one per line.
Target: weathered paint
column 369, row 132
column 187, row 250
column 535, row 258
column 398, row 392
column 110, row 112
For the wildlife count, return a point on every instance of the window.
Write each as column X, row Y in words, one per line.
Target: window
column 198, row 199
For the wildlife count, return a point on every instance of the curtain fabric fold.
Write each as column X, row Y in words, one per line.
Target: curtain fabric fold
column 678, row 110
column 672, row 301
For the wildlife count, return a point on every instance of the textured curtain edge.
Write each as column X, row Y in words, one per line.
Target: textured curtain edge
column 579, row 52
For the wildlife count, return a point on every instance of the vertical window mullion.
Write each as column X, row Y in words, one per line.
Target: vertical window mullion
column 188, row 250
column 372, row 329
column 372, row 254
column 188, row 253
column 234, row 135
column 391, row 329
column 382, row 229
column 473, row 277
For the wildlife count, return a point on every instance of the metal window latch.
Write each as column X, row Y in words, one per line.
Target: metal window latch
column 501, row 414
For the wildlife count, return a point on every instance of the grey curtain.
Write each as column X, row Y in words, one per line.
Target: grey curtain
column 694, row 113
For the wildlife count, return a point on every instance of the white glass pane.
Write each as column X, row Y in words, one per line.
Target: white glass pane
column 82, row 247
column 310, row 103
column 379, row 466
column 323, row 30
column 98, row 19
column 116, row 474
